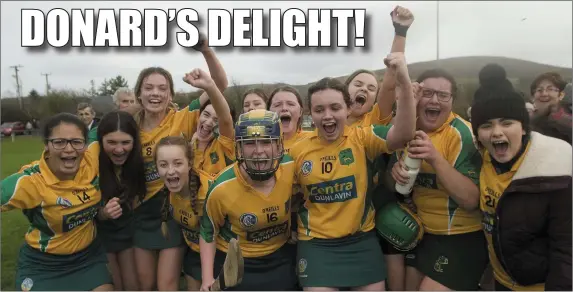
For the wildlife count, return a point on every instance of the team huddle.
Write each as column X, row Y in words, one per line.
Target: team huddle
column 153, row 191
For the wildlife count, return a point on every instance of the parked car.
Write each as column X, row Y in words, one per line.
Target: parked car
column 18, row 128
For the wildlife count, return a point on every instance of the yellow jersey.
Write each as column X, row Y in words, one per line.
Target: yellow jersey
column 440, row 214
column 299, row 136
column 336, row 179
column 176, row 123
column 209, row 162
column 372, row 118
column 180, row 210
column 492, row 187
column 234, row 209
column 60, row 213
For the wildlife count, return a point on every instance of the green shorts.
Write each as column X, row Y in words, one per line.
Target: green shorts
column 352, row 261
column 273, row 272
column 117, row 235
column 81, row 271
column 147, row 233
column 455, row 261
column 192, row 264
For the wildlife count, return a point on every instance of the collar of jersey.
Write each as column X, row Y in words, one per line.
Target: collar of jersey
column 50, row 178
column 345, row 133
column 445, row 125
column 245, row 184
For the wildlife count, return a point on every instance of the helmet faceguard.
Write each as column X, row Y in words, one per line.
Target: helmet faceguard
column 259, row 129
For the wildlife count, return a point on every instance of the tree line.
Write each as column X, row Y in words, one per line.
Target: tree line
column 39, row 107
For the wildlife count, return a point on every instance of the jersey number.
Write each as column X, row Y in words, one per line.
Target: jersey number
column 85, row 197
column 148, row 151
column 326, row 167
column 272, row 217
column 489, row 201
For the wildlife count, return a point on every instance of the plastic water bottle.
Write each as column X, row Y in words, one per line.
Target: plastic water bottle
column 413, row 169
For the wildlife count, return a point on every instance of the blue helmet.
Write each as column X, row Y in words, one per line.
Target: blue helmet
column 259, row 130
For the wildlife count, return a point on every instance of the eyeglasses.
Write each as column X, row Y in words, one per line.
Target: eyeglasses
column 443, row 96
column 60, row 144
column 548, row 89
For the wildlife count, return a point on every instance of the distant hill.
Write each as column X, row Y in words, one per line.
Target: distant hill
column 465, row 69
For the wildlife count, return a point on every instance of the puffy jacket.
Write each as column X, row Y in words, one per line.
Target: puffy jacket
column 532, row 237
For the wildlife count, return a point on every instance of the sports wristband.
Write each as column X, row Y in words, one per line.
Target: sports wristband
column 399, row 29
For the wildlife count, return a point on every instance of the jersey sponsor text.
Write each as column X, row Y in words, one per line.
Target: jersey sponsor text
column 338, row 190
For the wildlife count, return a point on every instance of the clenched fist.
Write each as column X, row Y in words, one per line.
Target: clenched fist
column 112, row 209
column 396, row 63
column 402, row 16
column 199, row 78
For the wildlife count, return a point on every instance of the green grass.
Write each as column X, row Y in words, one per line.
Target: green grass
column 14, row 225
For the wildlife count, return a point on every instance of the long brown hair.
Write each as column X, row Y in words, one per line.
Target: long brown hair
column 194, row 182
column 139, row 116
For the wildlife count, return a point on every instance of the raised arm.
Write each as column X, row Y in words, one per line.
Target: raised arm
column 405, row 121
column 402, row 18
column 201, row 79
column 215, row 68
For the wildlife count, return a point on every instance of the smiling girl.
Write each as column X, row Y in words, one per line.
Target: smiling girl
column 122, row 182
column 334, row 169
column 60, row 196
column 158, row 259
column 525, row 195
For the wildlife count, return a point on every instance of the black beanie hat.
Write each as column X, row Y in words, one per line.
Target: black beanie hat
column 496, row 98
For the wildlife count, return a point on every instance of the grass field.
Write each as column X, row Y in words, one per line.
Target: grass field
column 14, row 225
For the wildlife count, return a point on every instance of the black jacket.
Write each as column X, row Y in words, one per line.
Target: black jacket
column 532, row 238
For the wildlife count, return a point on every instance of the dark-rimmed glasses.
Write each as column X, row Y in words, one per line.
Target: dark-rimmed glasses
column 443, row 96
column 60, row 143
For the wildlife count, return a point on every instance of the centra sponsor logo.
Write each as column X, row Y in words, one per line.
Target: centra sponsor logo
column 338, row 190
column 76, row 219
column 267, row 233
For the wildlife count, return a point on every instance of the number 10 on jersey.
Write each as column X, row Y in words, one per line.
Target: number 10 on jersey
column 326, row 167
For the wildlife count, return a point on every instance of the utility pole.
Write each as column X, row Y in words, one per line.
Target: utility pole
column 93, row 89
column 47, row 82
column 18, row 86
column 438, row 30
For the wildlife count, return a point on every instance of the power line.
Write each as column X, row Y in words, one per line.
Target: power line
column 47, row 82
column 18, row 85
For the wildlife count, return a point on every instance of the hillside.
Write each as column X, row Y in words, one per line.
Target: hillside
column 464, row 69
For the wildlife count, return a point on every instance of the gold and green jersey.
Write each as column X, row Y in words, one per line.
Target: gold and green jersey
column 336, row 179
column 209, row 162
column 60, row 212
column 234, row 209
column 180, row 209
column 372, row 118
column 438, row 211
column 299, row 136
column 176, row 123
column 492, row 187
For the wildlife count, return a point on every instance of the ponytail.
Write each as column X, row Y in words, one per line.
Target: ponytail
column 165, row 217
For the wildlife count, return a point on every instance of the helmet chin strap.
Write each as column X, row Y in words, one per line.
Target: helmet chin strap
column 260, row 176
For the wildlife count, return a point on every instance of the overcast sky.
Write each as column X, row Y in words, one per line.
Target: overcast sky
column 534, row 31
